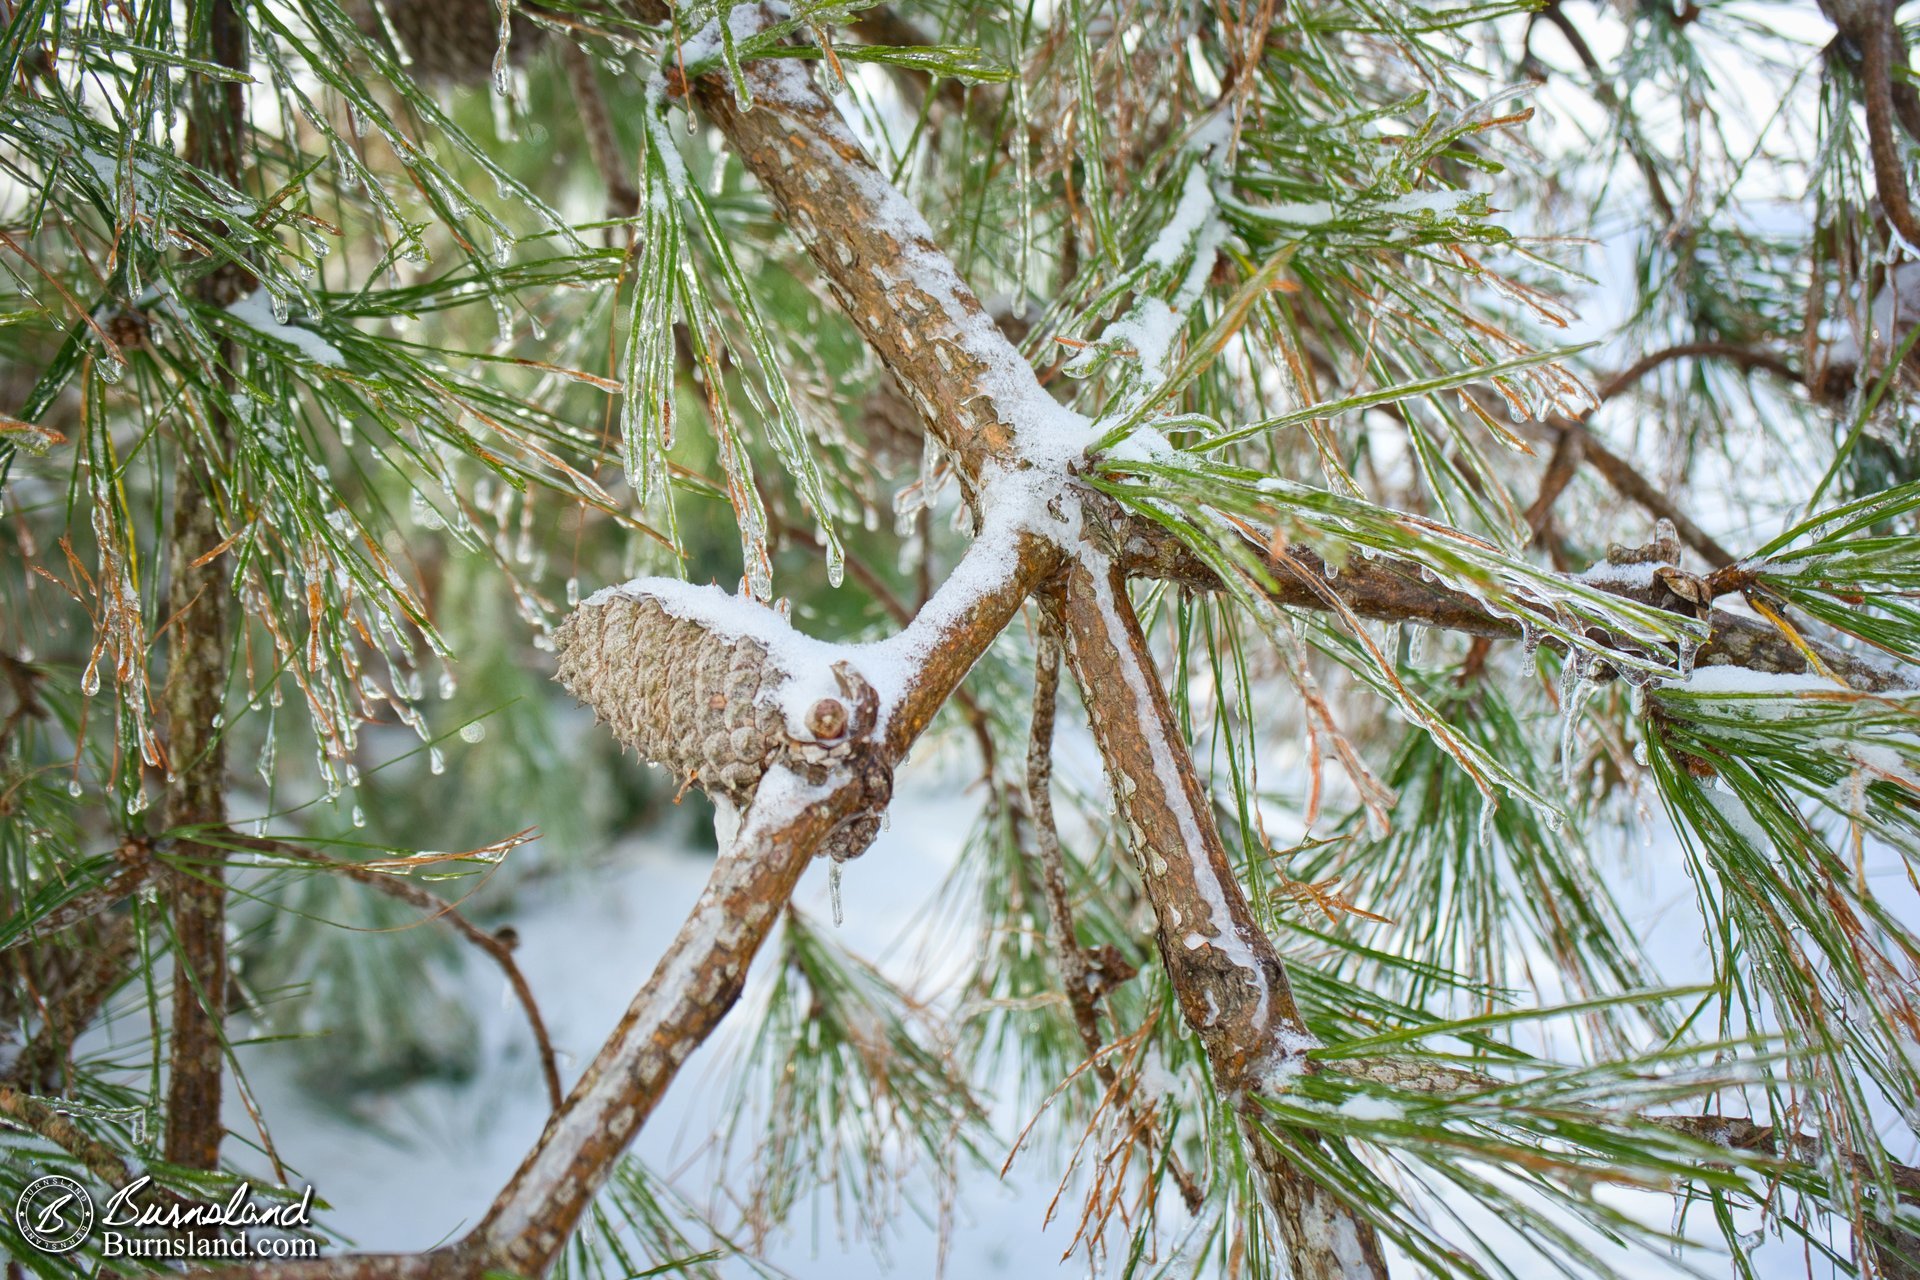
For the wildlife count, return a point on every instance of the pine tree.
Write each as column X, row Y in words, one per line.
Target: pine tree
column 1491, row 421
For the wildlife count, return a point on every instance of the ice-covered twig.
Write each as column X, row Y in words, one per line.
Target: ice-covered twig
column 1390, row 590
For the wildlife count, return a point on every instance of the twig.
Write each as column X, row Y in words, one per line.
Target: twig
column 1636, row 488
column 497, row 948
column 40, row 1118
column 1873, row 31
column 25, row 682
column 138, row 868
column 1630, row 130
column 1746, row 357
column 1565, row 460
column 41, row 1062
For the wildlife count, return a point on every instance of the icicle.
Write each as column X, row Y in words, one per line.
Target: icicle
column 502, row 63
column 836, row 563
column 833, row 889
column 269, row 751
column 1489, row 805
column 1576, row 686
column 436, row 761
column 1689, row 649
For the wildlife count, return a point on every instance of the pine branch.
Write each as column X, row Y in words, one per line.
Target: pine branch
column 1083, row 978
column 701, row 975
column 1735, row 1133
column 1870, row 24
column 197, row 602
column 137, row 869
column 42, row 1119
column 1390, row 591
column 1232, row 989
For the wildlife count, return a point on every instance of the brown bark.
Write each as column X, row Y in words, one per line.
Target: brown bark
column 197, row 603
column 101, row 1160
column 1232, row 988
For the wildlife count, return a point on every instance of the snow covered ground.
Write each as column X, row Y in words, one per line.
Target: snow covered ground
column 588, row 941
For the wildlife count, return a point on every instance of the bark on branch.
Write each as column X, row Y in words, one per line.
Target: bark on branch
column 198, row 602
column 1232, row 988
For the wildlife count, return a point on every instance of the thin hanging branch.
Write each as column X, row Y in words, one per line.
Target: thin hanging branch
column 497, row 948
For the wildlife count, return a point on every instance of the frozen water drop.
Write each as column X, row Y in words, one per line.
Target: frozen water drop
column 472, row 731
column 436, row 761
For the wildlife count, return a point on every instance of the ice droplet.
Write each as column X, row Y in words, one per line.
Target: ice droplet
column 359, row 816
column 137, row 802
column 73, row 787
column 472, row 731
column 1488, row 806
column 573, row 592
column 833, row 890
column 436, row 761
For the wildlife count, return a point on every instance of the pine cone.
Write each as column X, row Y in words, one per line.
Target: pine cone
column 705, row 704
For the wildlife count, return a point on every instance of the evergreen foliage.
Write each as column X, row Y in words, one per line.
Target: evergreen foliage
column 1502, row 416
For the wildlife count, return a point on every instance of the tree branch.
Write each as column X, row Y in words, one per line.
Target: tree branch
column 197, row 601
column 497, row 948
column 1083, row 979
column 1233, row 990
column 702, row 973
column 1393, row 591
column 40, row 1118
